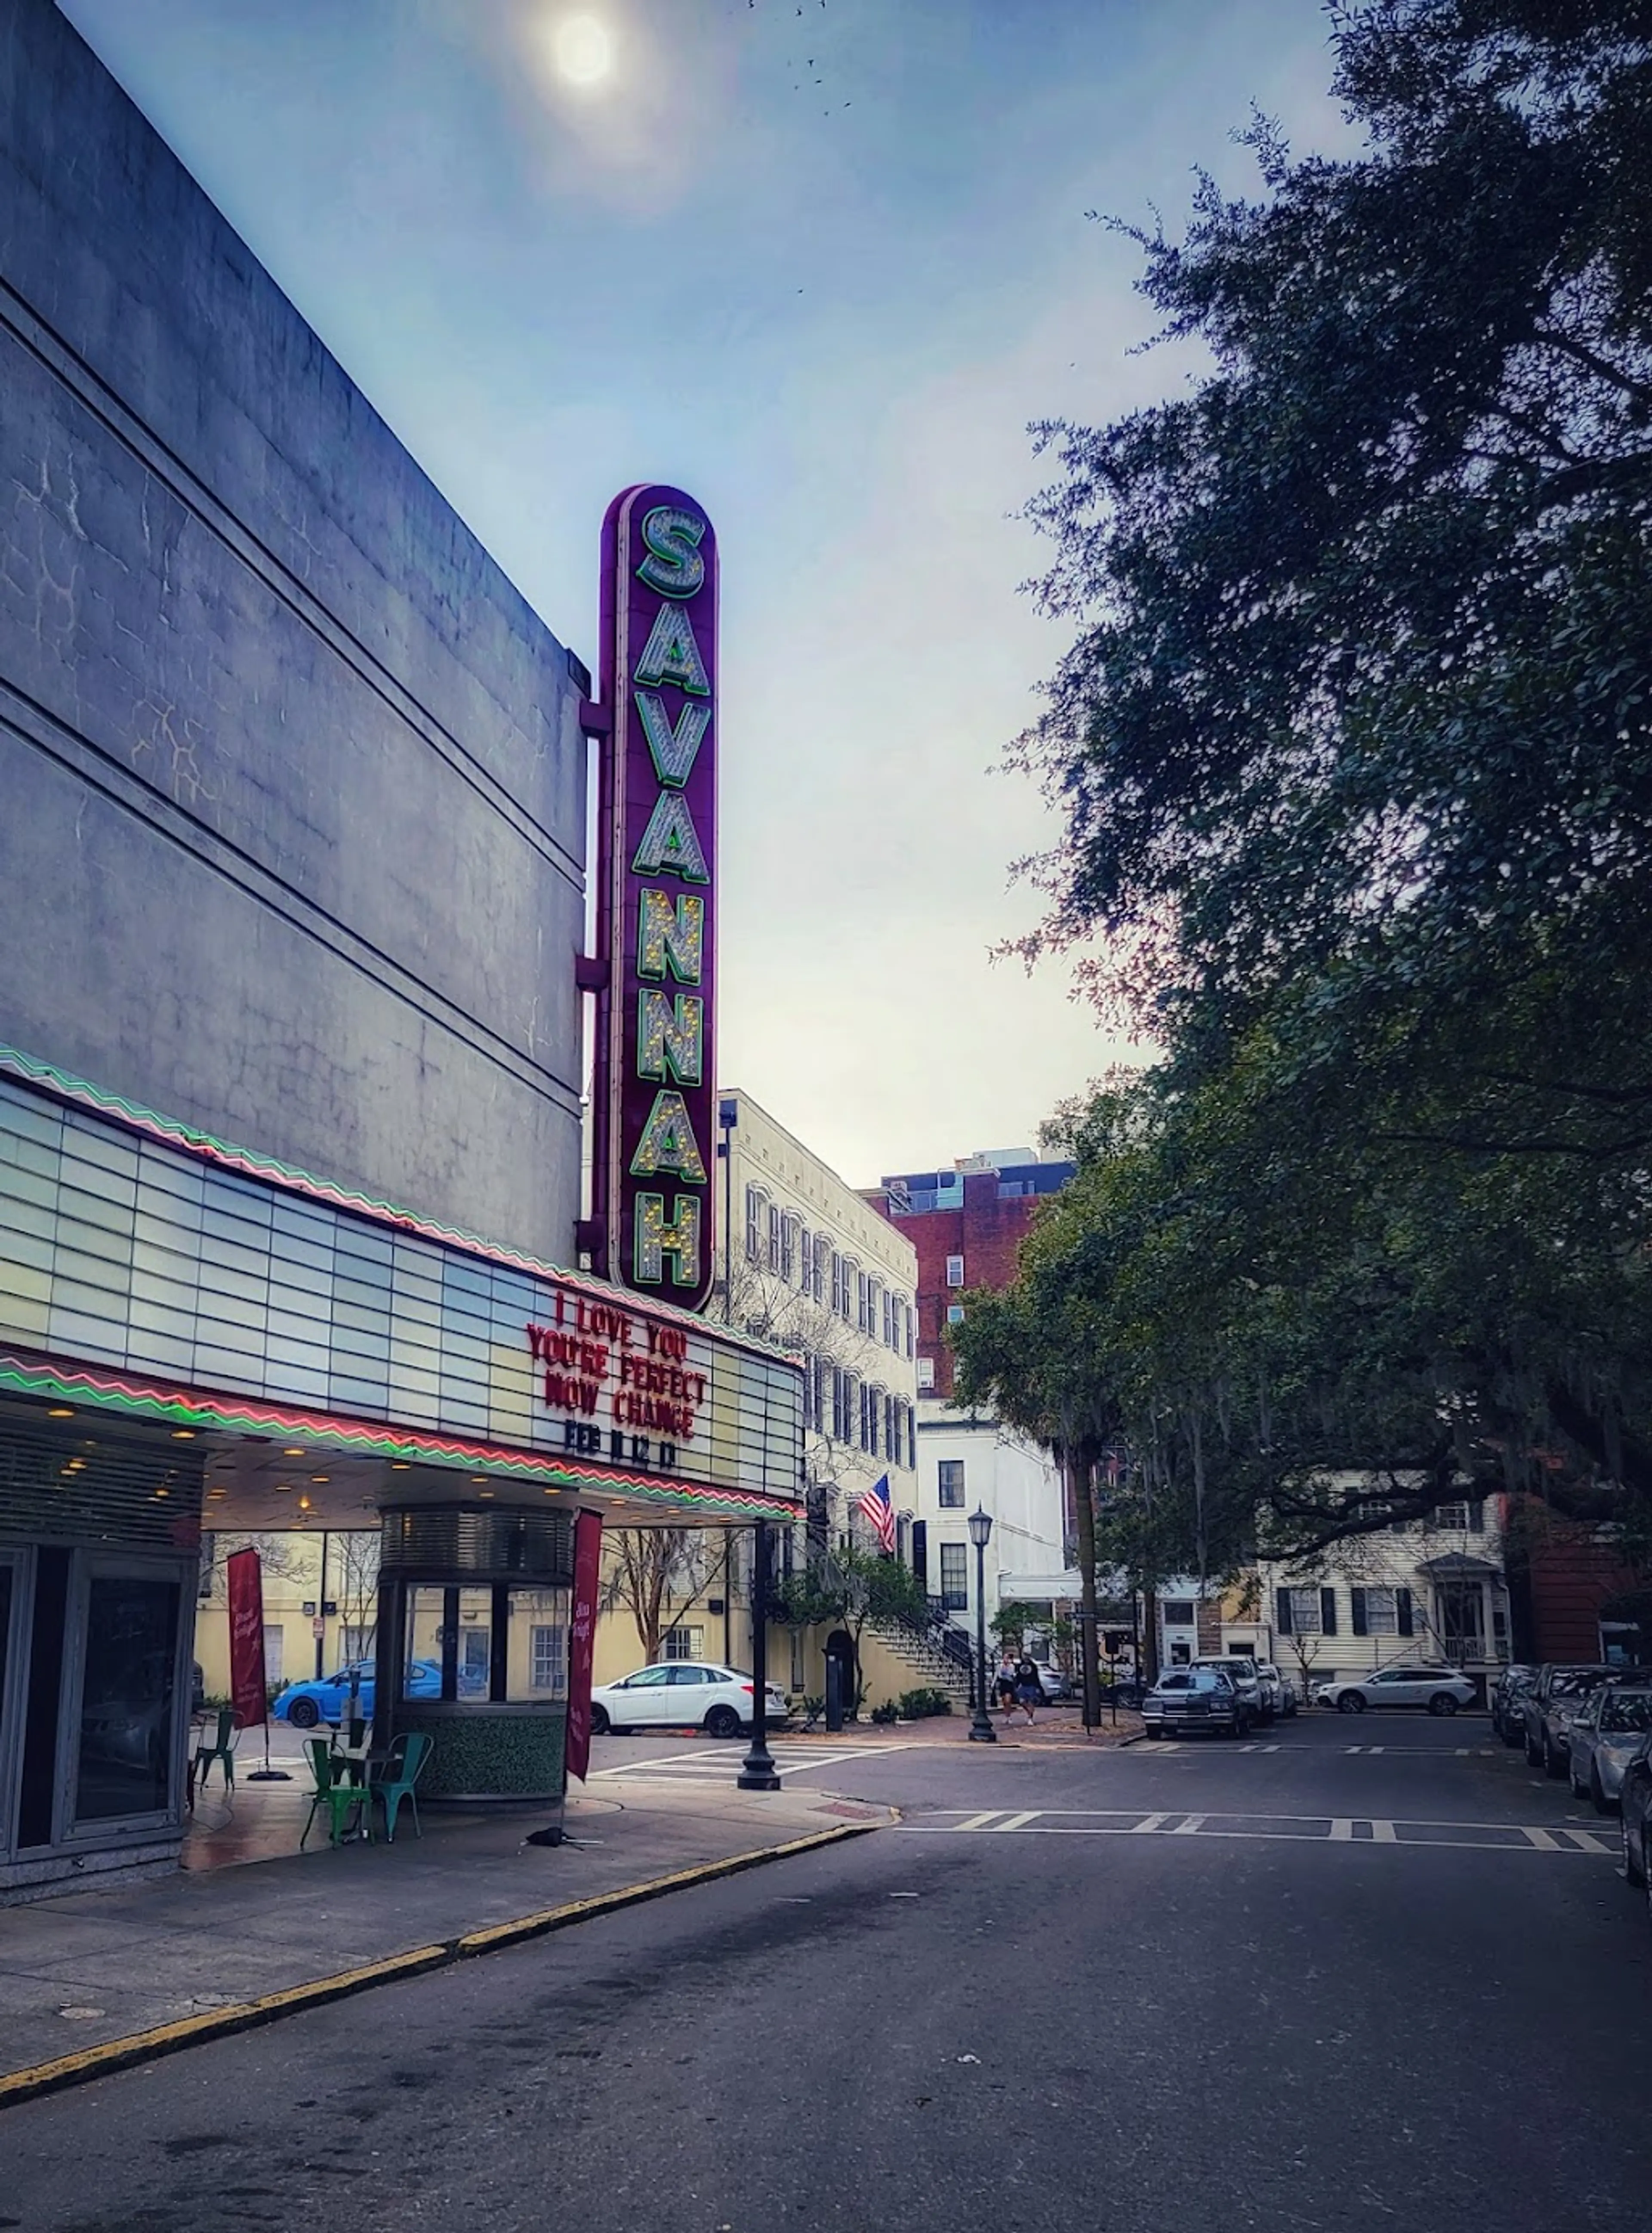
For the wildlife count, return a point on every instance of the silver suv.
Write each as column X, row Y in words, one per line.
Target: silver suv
column 1242, row 1674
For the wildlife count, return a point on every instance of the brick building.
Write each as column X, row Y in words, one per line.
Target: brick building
column 967, row 1225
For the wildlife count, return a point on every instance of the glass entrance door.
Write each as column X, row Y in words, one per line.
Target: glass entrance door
column 12, row 1580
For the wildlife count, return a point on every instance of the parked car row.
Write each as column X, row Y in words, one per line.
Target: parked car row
column 1591, row 1724
column 1217, row 1697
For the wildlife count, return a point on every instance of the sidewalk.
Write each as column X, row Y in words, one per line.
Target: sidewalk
column 91, row 1968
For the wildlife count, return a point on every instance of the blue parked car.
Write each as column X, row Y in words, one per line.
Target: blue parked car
column 304, row 1704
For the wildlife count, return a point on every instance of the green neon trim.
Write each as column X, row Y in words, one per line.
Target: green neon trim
column 357, row 1438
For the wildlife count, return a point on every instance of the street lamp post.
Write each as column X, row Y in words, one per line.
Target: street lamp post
column 758, row 1770
column 981, row 1730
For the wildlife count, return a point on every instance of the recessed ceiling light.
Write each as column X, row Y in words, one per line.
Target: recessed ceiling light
column 183, row 1434
column 399, row 1465
column 61, row 1411
column 478, row 1476
column 482, row 1493
column 294, row 1453
column 321, row 1477
column 163, row 1491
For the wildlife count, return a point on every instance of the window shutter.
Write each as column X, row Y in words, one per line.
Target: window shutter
column 1402, row 1615
column 1477, row 1517
column 1358, row 1600
column 1328, row 1612
column 1282, row 1612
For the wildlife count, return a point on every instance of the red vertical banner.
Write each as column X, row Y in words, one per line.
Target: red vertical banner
column 581, row 1641
column 248, row 1689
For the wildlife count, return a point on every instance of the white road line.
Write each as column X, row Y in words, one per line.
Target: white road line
column 1018, row 1821
column 980, row 1822
column 1589, row 1842
column 1147, row 1825
column 1340, row 1833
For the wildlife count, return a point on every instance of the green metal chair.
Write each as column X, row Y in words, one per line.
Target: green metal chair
column 341, row 1797
column 223, row 1734
column 408, row 1755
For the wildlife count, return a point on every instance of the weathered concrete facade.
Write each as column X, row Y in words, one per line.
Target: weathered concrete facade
column 293, row 779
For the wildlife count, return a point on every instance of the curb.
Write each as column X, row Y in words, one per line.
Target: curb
column 247, row 2015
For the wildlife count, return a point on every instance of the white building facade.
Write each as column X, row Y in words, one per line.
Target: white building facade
column 966, row 1460
column 813, row 1266
column 1433, row 1591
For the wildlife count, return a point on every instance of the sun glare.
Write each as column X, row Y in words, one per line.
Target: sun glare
column 583, row 51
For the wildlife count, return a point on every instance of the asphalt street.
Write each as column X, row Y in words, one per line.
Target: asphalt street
column 1365, row 1974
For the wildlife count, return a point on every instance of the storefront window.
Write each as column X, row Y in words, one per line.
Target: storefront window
column 126, row 1696
column 452, row 1634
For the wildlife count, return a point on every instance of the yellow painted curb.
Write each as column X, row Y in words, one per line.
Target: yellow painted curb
column 244, row 2015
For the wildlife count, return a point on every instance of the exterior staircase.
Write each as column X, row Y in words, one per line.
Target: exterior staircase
column 938, row 1652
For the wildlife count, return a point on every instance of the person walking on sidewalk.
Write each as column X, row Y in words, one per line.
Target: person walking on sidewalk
column 1028, row 1690
column 1004, row 1684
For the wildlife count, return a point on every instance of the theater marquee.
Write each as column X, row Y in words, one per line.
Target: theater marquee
column 655, row 1131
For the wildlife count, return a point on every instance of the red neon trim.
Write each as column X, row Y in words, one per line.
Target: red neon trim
column 371, row 1438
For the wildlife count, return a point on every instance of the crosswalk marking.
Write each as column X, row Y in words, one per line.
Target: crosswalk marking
column 1588, row 1842
column 1298, row 1829
column 725, row 1759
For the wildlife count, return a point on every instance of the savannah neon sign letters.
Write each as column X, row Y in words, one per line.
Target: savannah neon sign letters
column 656, row 1117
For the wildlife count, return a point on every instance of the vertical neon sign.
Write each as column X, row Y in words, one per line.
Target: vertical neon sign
column 654, row 1111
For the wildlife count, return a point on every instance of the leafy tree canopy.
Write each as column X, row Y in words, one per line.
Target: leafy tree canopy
column 1352, row 749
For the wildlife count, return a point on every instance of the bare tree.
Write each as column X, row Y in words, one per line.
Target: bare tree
column 280, row 1555
column 645, row 1566
column 357, row 1586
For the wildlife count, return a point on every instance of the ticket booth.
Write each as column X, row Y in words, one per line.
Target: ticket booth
column 472, row 1649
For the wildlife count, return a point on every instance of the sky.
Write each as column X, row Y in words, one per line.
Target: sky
column 819, row 263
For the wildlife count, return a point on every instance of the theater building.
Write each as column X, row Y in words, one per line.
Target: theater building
column 292, row 880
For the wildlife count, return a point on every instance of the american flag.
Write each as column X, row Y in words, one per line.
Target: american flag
column 874, row 1504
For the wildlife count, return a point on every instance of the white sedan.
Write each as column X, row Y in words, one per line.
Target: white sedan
column 683, row 1693
column 1441, row 1689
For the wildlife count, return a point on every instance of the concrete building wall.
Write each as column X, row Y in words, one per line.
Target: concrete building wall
column 294, row 778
